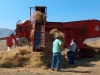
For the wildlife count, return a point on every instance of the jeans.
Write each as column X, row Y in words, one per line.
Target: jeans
column 56, row 58
column 71, row 57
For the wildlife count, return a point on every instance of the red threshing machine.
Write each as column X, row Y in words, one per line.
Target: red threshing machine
column 79, row 30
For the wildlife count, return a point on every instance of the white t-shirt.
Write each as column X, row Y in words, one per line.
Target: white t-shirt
column 73, row 46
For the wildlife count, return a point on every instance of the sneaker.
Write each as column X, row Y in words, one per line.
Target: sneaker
column 52, row 69
column 58, row 70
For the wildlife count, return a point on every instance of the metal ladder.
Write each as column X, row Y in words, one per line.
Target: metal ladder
column 39, row 37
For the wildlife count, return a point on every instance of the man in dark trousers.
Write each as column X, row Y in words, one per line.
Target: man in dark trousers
column 72, row 51
column 57, row 47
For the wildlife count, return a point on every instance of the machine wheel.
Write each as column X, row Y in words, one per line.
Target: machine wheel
column 87, row 52
column 23, row 41
column 77, row 56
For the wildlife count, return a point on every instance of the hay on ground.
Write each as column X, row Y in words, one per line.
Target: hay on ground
column 24, row 57
column 15, row 58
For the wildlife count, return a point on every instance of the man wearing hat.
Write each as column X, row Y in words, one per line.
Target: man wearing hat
column 57, row 47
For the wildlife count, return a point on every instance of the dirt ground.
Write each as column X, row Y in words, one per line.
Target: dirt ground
column 85, row 66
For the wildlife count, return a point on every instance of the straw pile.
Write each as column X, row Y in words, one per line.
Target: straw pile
column 38, row 16
column 56, row 32
column 50, row 37
column 25, row 57
column 95, row 46
column 17, row 57
column 53, row 31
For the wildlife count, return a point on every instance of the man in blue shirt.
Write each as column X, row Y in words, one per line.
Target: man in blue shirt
column 57, row 47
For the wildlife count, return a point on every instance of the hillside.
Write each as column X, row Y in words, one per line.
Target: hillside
column 4, row 32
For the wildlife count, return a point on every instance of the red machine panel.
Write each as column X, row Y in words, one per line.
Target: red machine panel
column 93, row 28
column 23, row 29
column 79, row 30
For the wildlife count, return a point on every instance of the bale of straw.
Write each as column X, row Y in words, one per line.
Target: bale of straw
column 38, row 16
column 95, row 46
column 52, row 32
column 60, row 35
column 56, row 32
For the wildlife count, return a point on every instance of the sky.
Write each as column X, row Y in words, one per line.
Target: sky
column 57, row 10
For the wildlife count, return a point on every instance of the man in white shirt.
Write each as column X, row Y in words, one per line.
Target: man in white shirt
column 72, row 51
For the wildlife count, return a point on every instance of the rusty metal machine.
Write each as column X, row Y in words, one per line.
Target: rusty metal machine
column 79, row 30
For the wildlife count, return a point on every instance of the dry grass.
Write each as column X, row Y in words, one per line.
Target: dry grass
column 25, row 57
column 56, row 32
column 38, row 16
column 15, row 57
column 94, row 46
column 53, row 31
